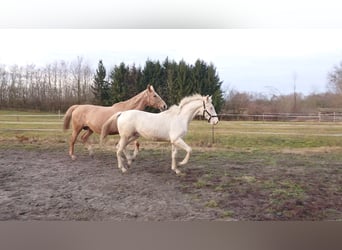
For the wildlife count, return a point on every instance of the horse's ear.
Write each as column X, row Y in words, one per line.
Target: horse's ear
column 150, row 87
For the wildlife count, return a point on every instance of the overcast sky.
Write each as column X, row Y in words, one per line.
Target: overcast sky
column 302, row 42
column 253, row 60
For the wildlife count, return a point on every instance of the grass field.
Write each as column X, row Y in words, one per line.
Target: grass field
column 258, row 170
column 226, row 135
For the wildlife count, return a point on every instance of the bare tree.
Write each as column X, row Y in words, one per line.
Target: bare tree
column 76, row 67
column 3, row 87
column 294, row 92
column 335, row 79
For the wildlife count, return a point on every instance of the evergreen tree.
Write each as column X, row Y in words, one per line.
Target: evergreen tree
column 171, row 82
column 183, row 80
column 154, row 73
column 199, row 73
column 133, row 80
column 206, row 81
column 100, row 87
column 214, row 87
column 117, row 78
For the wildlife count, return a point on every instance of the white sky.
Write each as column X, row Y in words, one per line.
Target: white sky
column 254, row 60
column 302, row 42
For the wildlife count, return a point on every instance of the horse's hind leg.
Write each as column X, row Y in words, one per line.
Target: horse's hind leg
column 73, row 138
column 84, row 138
column 119, row 153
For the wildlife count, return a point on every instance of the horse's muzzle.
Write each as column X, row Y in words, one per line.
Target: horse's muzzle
column 163, row 107
column 213, row 119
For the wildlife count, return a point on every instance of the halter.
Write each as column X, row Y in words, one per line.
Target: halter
column 206, row 111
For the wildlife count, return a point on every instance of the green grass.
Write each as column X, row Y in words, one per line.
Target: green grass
column 226, row 136
column 259, row 135
column 238, row 141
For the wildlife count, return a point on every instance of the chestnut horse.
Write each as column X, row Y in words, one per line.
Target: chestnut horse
column 170, row 125
column 92, row 117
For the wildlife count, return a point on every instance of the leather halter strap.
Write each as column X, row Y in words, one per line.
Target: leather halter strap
column 206, row 111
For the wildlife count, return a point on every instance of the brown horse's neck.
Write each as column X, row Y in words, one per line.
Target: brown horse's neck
column 138, row 102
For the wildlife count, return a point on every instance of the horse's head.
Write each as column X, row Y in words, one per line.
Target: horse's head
column 209, row 110
column 154, row 100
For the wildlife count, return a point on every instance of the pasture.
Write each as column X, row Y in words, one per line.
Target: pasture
column 241, row 170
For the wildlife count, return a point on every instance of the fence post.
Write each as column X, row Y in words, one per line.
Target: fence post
column 212, row 134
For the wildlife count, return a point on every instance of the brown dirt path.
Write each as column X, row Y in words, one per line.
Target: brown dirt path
column 47, row 185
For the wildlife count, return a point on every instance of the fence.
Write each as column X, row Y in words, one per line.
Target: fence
column 30, row 122
column 53, row 122
column 285, row 117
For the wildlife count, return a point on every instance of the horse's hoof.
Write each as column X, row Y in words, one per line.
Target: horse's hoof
column 181, row 174
column 124, row 170
column 178, row 172
column 73, row 157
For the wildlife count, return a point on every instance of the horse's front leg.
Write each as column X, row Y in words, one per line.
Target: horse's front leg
column 181, row 144
column 136, row 150
column 131, row 158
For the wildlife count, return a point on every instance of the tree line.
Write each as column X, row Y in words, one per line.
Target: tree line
column 172, row 80
column 59, row 85
column 256, row 103
column 51, row 88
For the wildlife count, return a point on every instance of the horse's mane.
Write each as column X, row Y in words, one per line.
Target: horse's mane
column 184, row 101
column 188, row 99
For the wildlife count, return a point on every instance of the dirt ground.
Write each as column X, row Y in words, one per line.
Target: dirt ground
column 45, row 184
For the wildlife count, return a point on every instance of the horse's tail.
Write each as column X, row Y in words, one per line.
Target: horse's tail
column 67, row 117
column 109, row 127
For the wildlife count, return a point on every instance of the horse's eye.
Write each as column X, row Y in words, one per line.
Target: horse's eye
column 155, row 96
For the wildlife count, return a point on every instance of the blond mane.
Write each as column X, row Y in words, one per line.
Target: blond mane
column 188, row 99
column 183, row 102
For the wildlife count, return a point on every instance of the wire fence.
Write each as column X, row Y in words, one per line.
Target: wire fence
column 31, row 122
column 285, row 117
column 53, row 122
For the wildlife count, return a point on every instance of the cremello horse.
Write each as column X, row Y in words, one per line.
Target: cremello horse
column 92, row 117
column 170, row 125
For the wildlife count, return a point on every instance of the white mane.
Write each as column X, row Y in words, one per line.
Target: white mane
column 183, row 102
